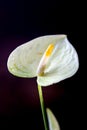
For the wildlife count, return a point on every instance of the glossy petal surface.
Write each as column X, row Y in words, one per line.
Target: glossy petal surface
column 62, row 63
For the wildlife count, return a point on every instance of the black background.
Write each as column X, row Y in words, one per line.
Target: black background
column 21, row 21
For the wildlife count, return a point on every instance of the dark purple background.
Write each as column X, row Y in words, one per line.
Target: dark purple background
column 21, row 21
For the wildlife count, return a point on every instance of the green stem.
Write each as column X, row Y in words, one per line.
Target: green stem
column 42, row 107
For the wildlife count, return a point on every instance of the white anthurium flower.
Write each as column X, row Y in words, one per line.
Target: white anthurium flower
column 50, row 58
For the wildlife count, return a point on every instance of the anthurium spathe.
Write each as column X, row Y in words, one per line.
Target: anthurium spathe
column 50, row 58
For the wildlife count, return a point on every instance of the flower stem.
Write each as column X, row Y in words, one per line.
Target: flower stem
column 42, row 107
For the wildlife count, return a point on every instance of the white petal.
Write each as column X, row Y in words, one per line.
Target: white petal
column 62, row 64
column 24, row 60
column 53, row 123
